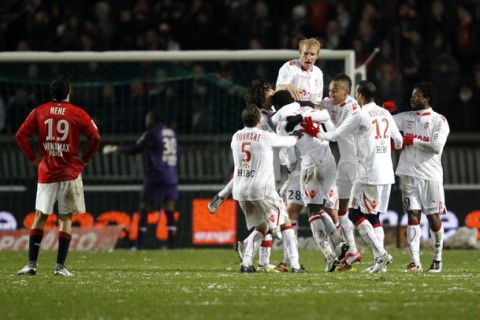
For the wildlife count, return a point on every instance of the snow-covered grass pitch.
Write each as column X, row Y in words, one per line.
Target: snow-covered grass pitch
column 206, row 284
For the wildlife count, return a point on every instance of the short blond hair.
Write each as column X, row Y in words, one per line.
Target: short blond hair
column 309, row 42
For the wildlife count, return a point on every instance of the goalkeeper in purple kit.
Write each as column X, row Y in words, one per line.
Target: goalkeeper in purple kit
column 160, row 185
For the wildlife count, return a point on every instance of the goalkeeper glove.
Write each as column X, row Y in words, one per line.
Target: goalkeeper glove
column 292, row 122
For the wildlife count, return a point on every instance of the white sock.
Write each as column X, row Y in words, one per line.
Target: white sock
column 265, row 250
column 437, row 243
column 252, row 244
column 291, row 247
column 414, row 234
column 347, row 227
column 330, row 228
column 295, row 226
column 380, row 234
column 227, row 190
column 365, row 229
column 320, row 236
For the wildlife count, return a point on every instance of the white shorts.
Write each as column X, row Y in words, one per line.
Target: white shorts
column 346, row 174
column 332, row 198
column 69, row 195
column 271, row 211
column 384, row 196
column 316, row 181
column 365, row 197
column 293, row 193
column 425, row 195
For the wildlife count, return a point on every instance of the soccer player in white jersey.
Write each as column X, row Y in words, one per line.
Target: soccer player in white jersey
column 420, row 170
column 366, row 193
column 340, row 106
column 301, row 77
column 317, row 174
column 304, row 81
column 260, row 94
column 254, row 187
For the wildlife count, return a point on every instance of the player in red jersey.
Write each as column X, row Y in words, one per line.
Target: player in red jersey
column 58, row 125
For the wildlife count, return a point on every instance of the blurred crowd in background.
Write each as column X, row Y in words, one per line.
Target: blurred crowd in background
column 436, row 40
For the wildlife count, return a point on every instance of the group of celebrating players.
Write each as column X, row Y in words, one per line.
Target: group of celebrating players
column 292, row 126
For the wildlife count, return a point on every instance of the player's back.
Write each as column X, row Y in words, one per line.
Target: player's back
column 162, row 155
column 59, row 126
column 384, row 128
column 253, row 159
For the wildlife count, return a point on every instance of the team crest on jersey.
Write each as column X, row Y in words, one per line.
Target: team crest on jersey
column 292, row 62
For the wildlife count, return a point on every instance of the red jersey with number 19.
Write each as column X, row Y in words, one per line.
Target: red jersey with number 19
column 58, row 126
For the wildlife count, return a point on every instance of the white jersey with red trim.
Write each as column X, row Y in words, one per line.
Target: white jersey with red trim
column 384, row 129
column 338, row 114
column 309, row 82
column 306, row 144
column 253, row 178
column 422, row 159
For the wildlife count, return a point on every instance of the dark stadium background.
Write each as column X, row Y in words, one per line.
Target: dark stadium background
column 438, row 41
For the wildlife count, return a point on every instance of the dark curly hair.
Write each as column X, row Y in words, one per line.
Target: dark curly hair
column 255, row 94
column 428, row 91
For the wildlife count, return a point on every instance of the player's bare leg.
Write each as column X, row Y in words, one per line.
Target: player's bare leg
column 437, row 234
column 35, row 239
column 414, row 234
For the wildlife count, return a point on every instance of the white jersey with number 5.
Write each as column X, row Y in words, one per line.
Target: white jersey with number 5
column 423, row 159
column 309, row 82
column 253, row 178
